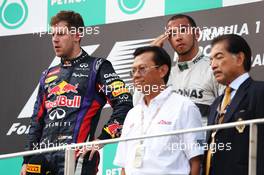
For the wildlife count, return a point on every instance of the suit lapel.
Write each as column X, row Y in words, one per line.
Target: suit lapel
column 213, row 113
column 241, row 92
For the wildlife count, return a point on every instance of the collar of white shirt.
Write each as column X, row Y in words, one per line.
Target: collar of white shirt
column 159, row 99
column 238, row 81
column 235, row 84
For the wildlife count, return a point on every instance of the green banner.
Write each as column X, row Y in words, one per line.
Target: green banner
column 108, row 158
column 93, row 12
column 180, row 6
column 13, row 14
column 11, row 166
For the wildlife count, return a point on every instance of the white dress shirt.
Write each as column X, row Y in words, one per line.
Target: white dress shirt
column 235, row 84
column 163, row 155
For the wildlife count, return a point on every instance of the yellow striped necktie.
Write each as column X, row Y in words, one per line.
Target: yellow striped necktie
column 225, row 102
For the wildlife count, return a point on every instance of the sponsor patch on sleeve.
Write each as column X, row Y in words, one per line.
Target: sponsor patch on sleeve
column 113, row 129
column 117, row 85
column 120, row 91
column 32, row 168
column 53, row 72
column 50, row 79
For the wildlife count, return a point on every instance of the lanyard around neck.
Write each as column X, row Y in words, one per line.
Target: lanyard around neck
column 142, row 132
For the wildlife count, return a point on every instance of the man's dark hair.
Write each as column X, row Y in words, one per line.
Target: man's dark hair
column 160, row 58
column 180, row 16
column 234, row 45
column 72, row 18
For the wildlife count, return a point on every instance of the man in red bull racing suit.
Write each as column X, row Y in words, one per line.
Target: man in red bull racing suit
column 70, row 99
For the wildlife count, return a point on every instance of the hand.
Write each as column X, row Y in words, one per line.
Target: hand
column 195, row 163
column 123, row 171
column 93, row 149
column 159, row 41
column 23, row 170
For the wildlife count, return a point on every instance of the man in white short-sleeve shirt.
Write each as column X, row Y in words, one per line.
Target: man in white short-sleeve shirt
column 160, row 110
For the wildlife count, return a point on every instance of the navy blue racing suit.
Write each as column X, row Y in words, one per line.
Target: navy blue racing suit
column 68, row 106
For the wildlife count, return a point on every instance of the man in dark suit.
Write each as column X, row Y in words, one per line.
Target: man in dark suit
column 243, row 100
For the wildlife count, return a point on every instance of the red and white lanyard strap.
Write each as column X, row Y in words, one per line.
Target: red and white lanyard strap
column 142, row 132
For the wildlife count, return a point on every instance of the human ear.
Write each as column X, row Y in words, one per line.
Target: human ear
column 240, row 58
column 163, row 70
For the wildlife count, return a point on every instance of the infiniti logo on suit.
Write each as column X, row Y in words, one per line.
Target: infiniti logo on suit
column 57, row 113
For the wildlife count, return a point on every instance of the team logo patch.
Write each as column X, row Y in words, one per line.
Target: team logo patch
column 62, row 88
column 64, row 101
column 113, row 129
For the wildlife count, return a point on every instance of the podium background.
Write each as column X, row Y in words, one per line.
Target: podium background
column 116, row 28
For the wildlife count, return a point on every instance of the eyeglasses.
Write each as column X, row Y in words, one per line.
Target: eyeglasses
column 142, row 70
